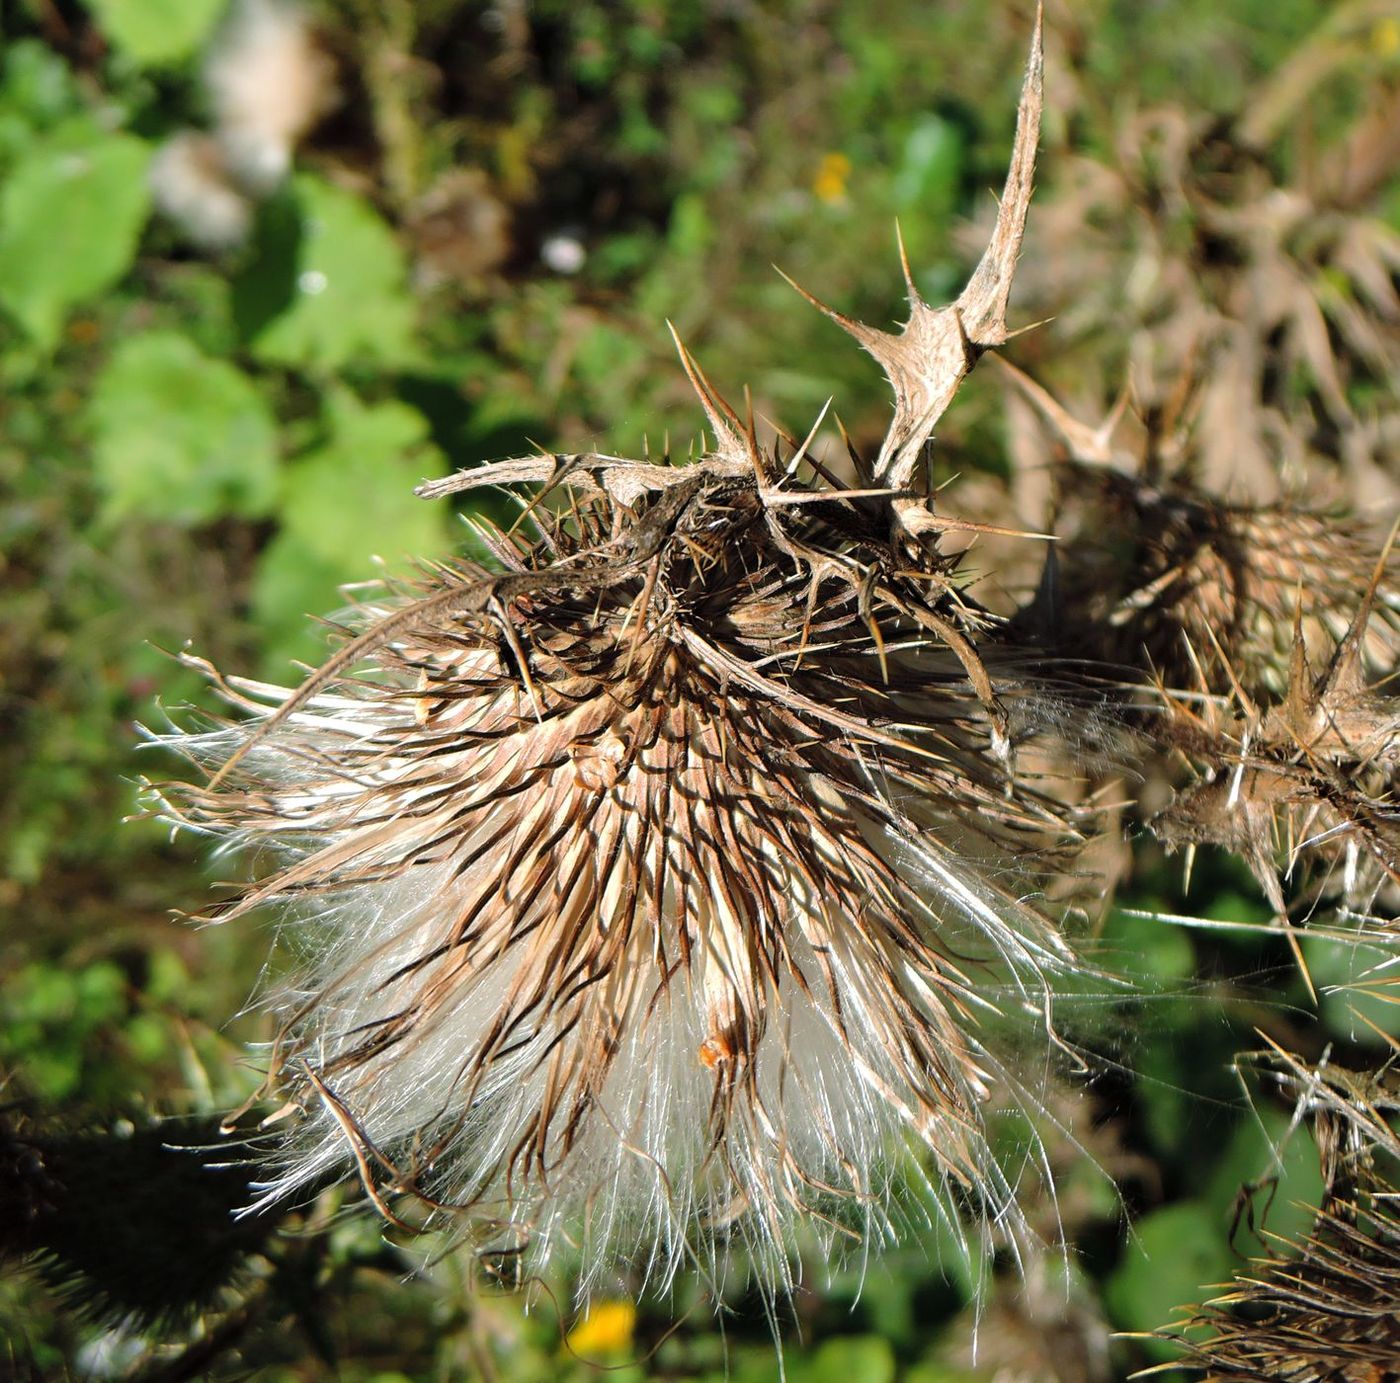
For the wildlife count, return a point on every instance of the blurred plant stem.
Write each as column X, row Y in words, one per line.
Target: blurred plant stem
column 395, row 82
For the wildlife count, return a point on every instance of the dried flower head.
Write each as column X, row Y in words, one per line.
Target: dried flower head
column 656, row 888
column 1253, row 644
column 267, row 80
column 132, row 1224
column 1299, row 788
column 191, row 184
column 1155, row 573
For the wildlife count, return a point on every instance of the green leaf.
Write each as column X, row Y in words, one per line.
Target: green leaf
column 148, row 1038
column 1176, row 1257
column 353, row 498
column 267, row 284
column 167, row 976
column 345, row 504
column 37, row 91
column 930, row 1372
column 930, row 169
column 1359, row 1001
column 54, row 1072
column 1277, row 1167
column 349, row 302
column 180, row 436
column 290, row 585
column 101, row 993
column 156, row 32
column 690, row 232
column 846, row 1359
column 1147, row 949
column 44, row 994
column 71, row 214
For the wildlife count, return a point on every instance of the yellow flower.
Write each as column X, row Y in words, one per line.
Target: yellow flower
column 1385, row 37
column 606, row 1328
column 830, row 182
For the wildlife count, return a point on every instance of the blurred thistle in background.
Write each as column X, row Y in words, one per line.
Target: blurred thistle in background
column 845, row 725
column 266, row 83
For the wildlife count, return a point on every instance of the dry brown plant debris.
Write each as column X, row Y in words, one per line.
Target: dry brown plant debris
column 1247, row 252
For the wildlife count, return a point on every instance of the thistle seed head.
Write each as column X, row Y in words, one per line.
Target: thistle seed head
column 637, row 899
column 1193, row 575
column 1251, row 645
column 659, row 886
column 1159, row 577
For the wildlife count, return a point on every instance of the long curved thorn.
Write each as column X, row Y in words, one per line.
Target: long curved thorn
column 750, row 435
column 914, row 295
column 728, row 429
column 866, row 335
column 858, row 462
column 983, row 302
column 1091, row 444
column 791, row 469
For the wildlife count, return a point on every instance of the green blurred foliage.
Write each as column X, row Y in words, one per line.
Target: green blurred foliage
column 206, row 447
column 71, row 213
column 345, row 502
column 179, row 436
column 341, row 273
column 155, row 32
